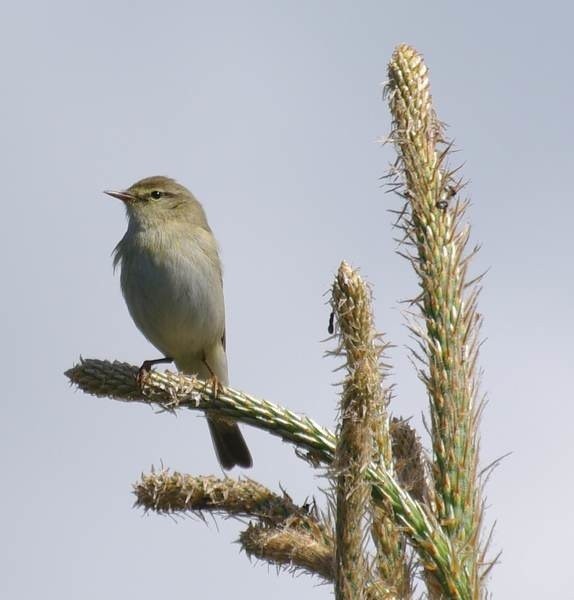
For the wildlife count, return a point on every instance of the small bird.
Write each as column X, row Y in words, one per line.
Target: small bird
column 172, row 283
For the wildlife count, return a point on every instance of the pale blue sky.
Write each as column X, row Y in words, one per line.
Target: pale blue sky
column 270, row 112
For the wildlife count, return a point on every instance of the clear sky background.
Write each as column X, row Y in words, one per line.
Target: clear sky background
column 270, row 112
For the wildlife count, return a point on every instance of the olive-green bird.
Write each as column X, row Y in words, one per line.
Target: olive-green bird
column 172, row 283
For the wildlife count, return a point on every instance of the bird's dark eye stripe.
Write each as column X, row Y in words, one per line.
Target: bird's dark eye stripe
column 156, row 194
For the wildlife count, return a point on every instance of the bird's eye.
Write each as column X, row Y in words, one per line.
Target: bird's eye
column 156, row 194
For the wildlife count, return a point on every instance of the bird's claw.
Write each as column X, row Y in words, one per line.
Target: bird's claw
column 143, row 373
column 216, row 385
column 145, row 369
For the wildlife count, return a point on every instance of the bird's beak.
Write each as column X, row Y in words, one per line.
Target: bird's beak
column 123, row 196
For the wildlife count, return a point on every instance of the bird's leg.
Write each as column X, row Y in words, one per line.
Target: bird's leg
column 215, row 383
column 147, row 365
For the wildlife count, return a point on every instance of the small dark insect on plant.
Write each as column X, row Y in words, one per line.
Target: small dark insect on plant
column 331, row 327
column 450, row 192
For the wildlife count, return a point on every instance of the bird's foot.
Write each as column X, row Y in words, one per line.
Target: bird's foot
column 145, row 369
column 216, row 385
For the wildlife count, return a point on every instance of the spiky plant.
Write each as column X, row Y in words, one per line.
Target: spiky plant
column 422, row 517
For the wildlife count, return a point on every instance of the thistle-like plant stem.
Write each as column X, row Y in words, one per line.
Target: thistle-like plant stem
column 448, row 339
column 299, row 543
column 170, row 492
column 286, row 535
column 408, row 459
column 363, row 438
column 171, row 391
column 354, row 452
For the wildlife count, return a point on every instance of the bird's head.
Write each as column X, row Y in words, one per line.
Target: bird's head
column 156, row 200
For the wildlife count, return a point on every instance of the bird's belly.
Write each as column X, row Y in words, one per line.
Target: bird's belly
column 177, row 304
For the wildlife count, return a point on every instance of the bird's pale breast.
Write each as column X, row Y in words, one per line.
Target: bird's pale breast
column 173, row 290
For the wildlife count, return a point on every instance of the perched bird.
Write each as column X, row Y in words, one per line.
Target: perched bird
column 172, row 283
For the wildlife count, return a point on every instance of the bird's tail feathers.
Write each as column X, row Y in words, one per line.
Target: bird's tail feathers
column 229, row 444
